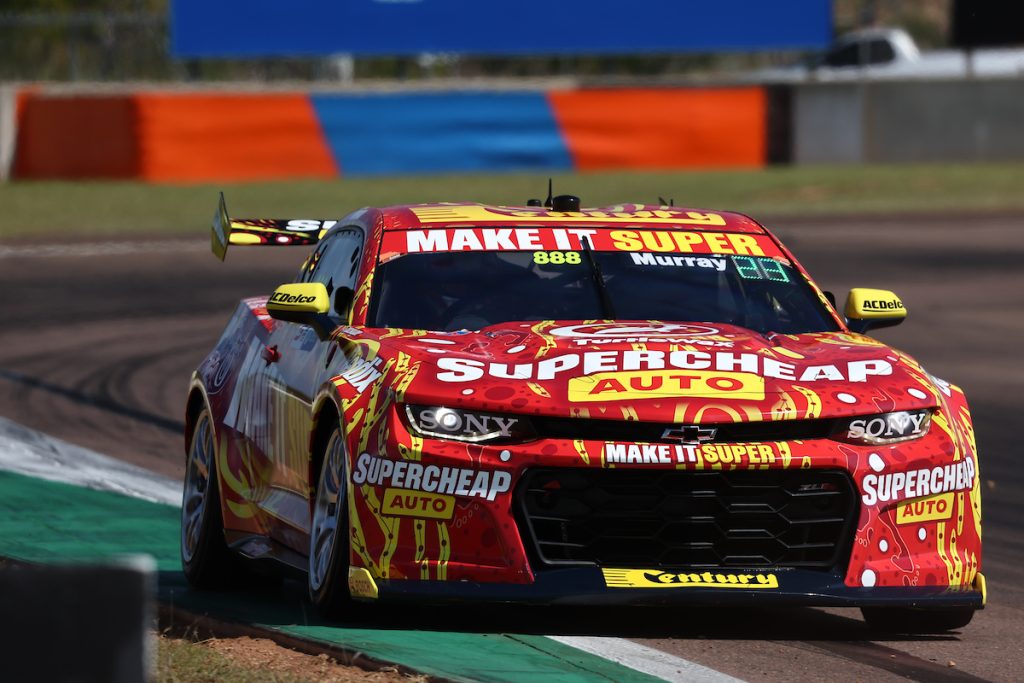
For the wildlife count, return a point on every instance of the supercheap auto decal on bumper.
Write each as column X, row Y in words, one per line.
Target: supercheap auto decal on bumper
column 480, row 498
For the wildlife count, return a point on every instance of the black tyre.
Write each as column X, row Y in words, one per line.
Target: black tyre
column 917, row 620
column 205, row 558
column 328, row 536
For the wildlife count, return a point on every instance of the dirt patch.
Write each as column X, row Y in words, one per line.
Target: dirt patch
column 265, row 660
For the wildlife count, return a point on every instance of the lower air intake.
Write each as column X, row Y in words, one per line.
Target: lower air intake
column 671, row 518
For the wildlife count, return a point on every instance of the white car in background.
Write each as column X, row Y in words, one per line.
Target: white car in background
column 891, row 53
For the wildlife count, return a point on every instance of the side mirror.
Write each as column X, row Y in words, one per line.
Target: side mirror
column 870, row 309
column 306, row 303
column 343, row 298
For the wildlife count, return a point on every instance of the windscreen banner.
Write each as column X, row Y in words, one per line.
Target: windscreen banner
column 265, row 28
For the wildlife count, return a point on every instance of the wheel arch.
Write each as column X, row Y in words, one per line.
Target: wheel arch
column 326, row 414
column 197, row 400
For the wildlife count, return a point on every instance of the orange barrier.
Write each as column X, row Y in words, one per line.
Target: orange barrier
column 197, row 137
column 76, row 137
column 662, row 128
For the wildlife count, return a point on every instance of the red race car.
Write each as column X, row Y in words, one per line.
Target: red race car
column 542, row 404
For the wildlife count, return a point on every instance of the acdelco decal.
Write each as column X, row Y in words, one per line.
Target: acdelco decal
column 407, row 503
column 455, row 370
column 882, row 305
column 925, row 509
column 282, row 298
column 884, row 488
column 572, row 239
column 450, row 481
column 624, row 386
column 654, row 578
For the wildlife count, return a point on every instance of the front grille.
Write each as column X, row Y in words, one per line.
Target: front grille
column 651, row 432
column 674, row 518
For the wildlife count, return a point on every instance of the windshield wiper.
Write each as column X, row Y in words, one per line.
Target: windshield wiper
column 602, row 289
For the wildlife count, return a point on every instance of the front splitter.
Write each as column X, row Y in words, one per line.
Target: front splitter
column 652, row 587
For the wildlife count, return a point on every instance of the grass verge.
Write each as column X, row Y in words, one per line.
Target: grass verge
column 48, row 210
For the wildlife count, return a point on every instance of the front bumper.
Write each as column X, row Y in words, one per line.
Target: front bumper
column 463, row 538
column 588, row 586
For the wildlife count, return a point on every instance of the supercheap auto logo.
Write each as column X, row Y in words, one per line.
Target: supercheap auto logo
column 444, row 481
column 898, row 486
column 458, row 370
column 624, row 386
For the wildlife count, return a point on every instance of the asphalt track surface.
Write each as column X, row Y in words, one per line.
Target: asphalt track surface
column 97, row 344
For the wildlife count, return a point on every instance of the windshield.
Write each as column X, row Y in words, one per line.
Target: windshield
column 472, row 290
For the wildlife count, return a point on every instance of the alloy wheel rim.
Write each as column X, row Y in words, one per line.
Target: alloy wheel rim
column 326, row 511
column 197, row 487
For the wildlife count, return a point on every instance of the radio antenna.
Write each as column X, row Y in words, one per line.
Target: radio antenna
column 547, row 202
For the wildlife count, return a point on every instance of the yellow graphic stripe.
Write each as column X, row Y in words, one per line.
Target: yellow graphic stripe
column 813, row 402
column 445, row 551
column 581, row 450
column 358, row 537
column 421, row 549
column 549, row 341
column 785, row 452
column 538, row 389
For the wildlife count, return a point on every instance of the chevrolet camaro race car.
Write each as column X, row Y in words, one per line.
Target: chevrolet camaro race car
column 631, row 404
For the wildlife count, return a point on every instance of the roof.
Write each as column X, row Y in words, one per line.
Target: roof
column 466, row 214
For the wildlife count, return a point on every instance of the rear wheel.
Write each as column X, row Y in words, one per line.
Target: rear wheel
column 328, row 537
column 917, row 620
column 205, row 558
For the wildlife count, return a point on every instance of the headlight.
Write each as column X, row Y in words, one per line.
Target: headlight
column 876, row 430
column 467, row 425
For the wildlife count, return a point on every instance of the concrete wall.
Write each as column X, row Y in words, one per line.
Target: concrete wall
column 963, row 121
column 920, row 121
column 205, row 136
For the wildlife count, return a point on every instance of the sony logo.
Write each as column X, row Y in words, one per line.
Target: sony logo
column 894, row 425
column 452, row 422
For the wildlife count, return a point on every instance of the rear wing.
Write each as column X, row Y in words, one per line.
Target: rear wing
column 262, row 231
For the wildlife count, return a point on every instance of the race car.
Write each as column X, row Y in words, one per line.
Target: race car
column 634, row 404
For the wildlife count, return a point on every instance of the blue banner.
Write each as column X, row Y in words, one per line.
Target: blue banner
column 265, row 28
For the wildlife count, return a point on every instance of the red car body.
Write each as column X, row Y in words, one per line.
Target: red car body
column 620, row 413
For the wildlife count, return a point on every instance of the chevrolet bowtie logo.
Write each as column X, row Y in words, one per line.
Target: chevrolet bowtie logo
column 690, row 434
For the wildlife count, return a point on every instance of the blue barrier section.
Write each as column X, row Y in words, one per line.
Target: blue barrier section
column 441, row 132
column 257, row 28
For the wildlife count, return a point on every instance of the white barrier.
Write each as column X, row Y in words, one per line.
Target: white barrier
column 8, row 123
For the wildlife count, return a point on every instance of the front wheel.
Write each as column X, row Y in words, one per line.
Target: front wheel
column 328, row 536
column 917, row 620
column 205, row 558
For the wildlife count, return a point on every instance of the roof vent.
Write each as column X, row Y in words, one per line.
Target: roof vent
column 565, row 202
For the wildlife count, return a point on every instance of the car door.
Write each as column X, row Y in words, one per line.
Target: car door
column 294, row 368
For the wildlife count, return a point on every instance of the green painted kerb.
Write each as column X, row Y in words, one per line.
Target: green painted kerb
column 42, row 521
